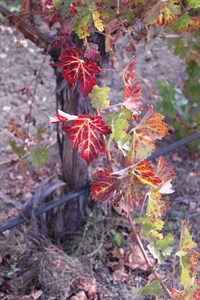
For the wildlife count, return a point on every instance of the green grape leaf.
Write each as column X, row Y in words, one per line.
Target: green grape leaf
column 147, row 224
column 188, row 257
column 193, row 70
column 39, row 133
column 119, row 125
column 153, row 288
column 194, row 3
column 117, row 238
column 19, row 150
column 57, row 3
column 39, row 156
column 155, row 208
column 191, row 90
column 182, row 24
column 164, row 245
column 160, row 247
column 81, row 23
column 179, row 47
column 99, row 97
column 98, row 23
column 167, row 93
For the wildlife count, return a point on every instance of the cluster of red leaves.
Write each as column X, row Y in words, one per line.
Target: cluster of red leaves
column 123, row 190
column 78, row 70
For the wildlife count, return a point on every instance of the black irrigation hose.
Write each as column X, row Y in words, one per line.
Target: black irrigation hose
column 50, row 205
column 66, row 198
column 174, row 146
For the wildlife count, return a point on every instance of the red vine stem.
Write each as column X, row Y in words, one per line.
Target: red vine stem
column 138, row 239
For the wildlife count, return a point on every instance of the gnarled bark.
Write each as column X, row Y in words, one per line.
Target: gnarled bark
column 70, row 217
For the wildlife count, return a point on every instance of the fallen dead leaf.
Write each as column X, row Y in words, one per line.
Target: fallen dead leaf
column 89, row 286
column 134, row 258
column 176, row 157
column 33, row 296
column 79, row 296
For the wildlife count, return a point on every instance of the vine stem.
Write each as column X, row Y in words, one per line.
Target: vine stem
column 108, row 156
column 134, row 229
column 150, row 266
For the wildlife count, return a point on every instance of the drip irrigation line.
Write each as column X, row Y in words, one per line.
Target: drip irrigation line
column 50, row 205
column 174, row 146
column 68, row 197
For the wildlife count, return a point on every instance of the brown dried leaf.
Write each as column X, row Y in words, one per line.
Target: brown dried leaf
column 89, row 286
column 134, row 258
column 79, row 296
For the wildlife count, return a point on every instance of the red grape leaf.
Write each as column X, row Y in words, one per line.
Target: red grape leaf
column 195, row 23
column 150, row 128
column 133, row 194
column 62, row 116
column 165, row 172
column 85, row 135
column 145, row 175
column 131, row 190
column 132, row 90
column 104, row 186
column 78, row 70
column 162, row 13
column 25, row 5
column 123, row 192
column 192, row 291
column 92, row 53
column 152, row 124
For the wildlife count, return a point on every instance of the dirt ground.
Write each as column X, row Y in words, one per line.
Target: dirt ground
column 19, row 61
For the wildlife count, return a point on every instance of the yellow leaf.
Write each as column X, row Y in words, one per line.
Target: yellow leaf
column 99, row 24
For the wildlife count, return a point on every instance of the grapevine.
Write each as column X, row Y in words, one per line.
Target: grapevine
column 131, row 129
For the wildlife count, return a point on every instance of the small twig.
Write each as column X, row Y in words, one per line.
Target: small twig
column 143, row 203
column 29, row 31
column 108, row 156
column 118, row 12
column 38, row 76
column 173, row 270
